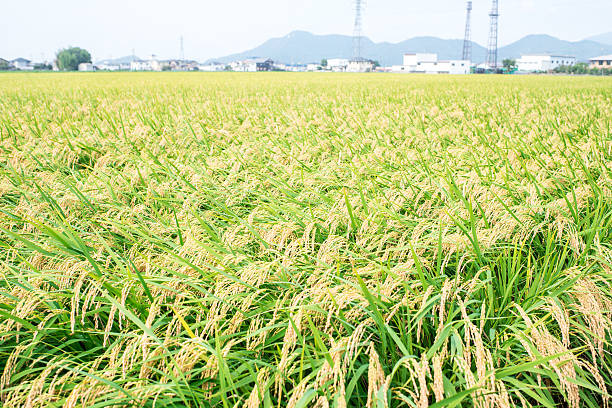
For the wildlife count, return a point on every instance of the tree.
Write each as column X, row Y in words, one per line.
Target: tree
column 43, row 67
column 509, row 64
column 4, row 65
column 324, row 62
column 69, row 59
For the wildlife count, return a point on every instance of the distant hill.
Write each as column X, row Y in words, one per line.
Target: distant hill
column 545, row 44
column 303, row 47
column 300, row 47
column 602, row 38
column 121, row 60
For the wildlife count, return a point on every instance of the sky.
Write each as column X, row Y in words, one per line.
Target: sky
column 36, row 29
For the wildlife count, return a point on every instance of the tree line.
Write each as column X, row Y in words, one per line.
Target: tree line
column 582, row 69
column 67, row 59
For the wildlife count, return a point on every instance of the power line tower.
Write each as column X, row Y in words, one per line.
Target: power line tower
column 358, row 30
column 182, row 53
column 467, row 42
column 492, row 52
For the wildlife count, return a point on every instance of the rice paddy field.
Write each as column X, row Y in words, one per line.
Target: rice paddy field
column 297, row 240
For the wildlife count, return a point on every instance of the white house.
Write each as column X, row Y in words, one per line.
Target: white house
column 543, row 62
column 429, row 64
column 86, row 67
column 150, row 64
column 212, row 67
column 141, row 65
column 337, row 64
column 313, row 66
column 252, row 65
column 106, row 66
column 22, row 64
column 296, row 68
column 360, row 65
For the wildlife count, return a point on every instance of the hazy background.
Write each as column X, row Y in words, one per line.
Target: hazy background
column 36, row 29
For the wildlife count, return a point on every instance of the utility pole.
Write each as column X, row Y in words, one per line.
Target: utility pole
column 492, row 51
column 357, row 30
column 467, row 41
column 182, row 53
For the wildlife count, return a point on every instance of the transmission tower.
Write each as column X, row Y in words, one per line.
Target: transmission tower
column 467, row 42
column 357, row 30
column 492, row 52
column 182, row 53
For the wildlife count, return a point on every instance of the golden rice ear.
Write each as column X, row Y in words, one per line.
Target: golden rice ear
column 422, row 371
column 297, row 393
column 289, row 342
column 594, row 307
column 562, row 318
column 438, row 383
column 376, row 380
column 9, row 368
column 109, row 323
column 564, row 367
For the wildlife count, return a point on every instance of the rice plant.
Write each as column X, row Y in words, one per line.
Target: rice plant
column 296, row 240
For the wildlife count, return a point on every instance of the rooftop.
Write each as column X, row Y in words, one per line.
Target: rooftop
column 548, row 55
column 603, row 57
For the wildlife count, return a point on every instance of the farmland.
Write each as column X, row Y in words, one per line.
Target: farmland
column 305, row 240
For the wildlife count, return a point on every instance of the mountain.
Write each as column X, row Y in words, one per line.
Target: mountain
column 446, row 49
column 117, row 61
column 602, row 38
column 545, row 44
column 303, row 47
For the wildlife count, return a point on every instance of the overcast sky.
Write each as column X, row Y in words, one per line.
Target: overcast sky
column 112, row 28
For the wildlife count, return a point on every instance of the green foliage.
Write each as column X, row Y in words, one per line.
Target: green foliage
column 69, row 59
column 43, row 67
column 582, row 69
column 4, row 65
column 509, row 64
column 324, row 62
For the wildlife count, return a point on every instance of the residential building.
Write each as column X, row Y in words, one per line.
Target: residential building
column 543, row 62
column 429, row 64
column 181, row 65
column 261, row 64
column 158, row 65
column 279, row 66
column 360, row 65
column 212, row 67
column 105, row 66
column 149, row 64
column 141, row 65
column 86, row 67
column 603, row 62
column 296, row 68
column 313, row 66
column 22, row 64
column 252, row 65
column 337, row 64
